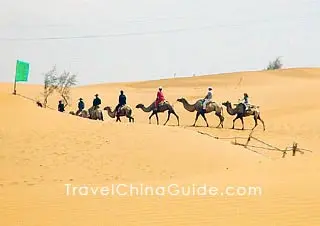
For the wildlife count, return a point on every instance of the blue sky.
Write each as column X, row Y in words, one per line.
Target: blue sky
column 142, row 40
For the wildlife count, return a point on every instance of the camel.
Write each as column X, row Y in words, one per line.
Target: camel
column 95, row 114
column 165, row 106
column 240, row 111
column 125, row 111
column 211, row 106
column 83, row 114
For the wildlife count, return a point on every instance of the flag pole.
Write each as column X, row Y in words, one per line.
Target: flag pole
column 15, row 86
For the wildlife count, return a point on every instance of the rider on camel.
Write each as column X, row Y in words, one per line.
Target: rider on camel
column 207, row 99
column 122, row 102
column 61, row 106
column 160, row 98
column 96, row 102
column 80, row 106
column 245, row 101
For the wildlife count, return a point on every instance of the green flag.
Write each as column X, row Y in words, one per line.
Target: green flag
column 22, row 71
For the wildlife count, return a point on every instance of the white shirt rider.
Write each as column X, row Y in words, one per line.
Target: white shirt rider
column 208, row 98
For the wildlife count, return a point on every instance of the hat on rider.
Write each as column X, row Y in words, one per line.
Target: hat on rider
column 246, row 95
column 160, row 87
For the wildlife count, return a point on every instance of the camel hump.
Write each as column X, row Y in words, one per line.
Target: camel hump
column 254, row 108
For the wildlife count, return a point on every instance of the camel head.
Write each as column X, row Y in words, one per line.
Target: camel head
column 107, row 108
column 227, row 103
column 181, row 99
column 140, row 106
column 71, row 113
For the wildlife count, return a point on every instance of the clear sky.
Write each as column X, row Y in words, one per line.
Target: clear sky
column 129, row 40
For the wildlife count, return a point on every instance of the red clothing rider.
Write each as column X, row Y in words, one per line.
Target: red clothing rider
column 160, row 97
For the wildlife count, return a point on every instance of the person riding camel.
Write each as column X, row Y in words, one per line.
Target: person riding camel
column 207, row 99
column 245, row 101
column 122, row 102
column 80, row 106
column 61, row 106
column 160, row 98
column 96, row 102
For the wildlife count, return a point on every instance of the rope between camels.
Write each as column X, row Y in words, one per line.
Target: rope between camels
column 221, row 138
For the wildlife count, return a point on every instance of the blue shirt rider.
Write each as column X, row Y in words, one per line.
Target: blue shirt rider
column 122, row 101
column 96, row 102
column 80, row 106
column 60, row 106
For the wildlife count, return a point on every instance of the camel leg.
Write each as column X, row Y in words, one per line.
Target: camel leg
column 157, row 118
column 241, row 118
column 204, row 117
column 129, row 117
column 174, row 113
column 264, row 128
column 197, row 116
column 151, row 117
column 167, row 118
column 234, row 121
column 221, row 119
column 255, row 122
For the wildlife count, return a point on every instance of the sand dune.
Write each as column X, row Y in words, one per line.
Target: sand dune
column 42, row 150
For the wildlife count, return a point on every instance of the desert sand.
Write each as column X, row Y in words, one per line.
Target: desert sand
column 41, row 150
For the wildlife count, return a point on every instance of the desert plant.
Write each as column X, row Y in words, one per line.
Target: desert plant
column 65, row 81
column 61, row 84
column 50, row 84
column 274, row 65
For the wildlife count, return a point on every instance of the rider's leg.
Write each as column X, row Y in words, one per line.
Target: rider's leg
column 204, row 105
column 156, row 105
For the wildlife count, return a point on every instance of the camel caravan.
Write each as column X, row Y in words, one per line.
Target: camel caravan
column 160, row 105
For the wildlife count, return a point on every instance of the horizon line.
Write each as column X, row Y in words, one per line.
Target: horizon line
column 171, row 78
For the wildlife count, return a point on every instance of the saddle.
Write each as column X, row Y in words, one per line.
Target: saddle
column 251, row 108
column 163, row 102
column 121, row 107
column 210, row 102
